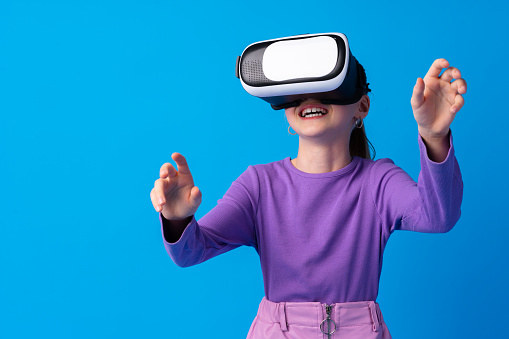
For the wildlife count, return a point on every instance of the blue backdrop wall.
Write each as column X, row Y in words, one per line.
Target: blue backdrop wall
column 96, row 95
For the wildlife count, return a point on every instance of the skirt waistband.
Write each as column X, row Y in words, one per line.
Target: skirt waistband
column 314, row 313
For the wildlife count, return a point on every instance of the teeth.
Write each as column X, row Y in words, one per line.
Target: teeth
column 313, row 115
column 313, row 112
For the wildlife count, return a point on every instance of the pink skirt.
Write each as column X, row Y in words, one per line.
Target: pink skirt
column 304, row 320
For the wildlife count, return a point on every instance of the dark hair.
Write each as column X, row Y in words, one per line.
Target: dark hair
column 359, row 144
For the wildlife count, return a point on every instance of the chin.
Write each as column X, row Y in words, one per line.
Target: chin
column 327, row 134
column 310, row 133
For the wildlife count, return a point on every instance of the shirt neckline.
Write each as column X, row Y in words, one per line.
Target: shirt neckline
column 288, row 164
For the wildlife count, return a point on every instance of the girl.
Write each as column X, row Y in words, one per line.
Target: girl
column 320, row 222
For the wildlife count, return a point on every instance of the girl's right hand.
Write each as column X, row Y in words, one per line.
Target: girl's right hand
column 174, row 193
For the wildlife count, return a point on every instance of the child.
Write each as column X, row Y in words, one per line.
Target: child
column 320, row 222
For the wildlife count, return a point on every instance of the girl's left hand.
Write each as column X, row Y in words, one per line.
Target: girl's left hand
column 436, row 100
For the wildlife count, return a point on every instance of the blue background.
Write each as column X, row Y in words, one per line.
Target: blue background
column 96, row 95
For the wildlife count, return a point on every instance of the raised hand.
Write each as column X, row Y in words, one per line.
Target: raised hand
column 436, row 100
column 174, row 193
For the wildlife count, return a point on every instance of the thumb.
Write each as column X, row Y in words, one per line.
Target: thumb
column 418, row 94
column 195, row 196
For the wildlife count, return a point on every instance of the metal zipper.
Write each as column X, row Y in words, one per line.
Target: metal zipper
column 328, row 322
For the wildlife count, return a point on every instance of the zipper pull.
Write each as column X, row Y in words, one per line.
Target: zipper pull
column 325, row 325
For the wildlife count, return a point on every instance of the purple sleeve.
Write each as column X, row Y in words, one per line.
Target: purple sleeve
column 432, row 205
column 230, row 224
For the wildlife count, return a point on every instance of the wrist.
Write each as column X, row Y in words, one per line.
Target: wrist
column 173, row 219
column 432, row 136
column 437, row 146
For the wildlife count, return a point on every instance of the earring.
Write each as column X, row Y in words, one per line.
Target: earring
column 291, row 132
column 359, row 123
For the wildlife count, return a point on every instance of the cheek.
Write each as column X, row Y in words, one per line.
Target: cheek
column 290, row 114
column 344, row 114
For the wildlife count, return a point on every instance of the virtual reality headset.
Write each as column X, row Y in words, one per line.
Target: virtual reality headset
column 286, row 71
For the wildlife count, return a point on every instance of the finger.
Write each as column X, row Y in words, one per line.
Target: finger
column 458, row 103
column 451, row 73
column 182, row 166
column 159, row 187
column 460, row 86
column 436, row 68
column 157, row 207
column 418, row 94
column 167, row 170
column 195, row 196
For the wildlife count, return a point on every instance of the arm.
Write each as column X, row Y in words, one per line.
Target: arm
column 230, row 224
column 435, row 102
column 433, row 203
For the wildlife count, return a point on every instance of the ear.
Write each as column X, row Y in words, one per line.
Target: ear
column 363, row 107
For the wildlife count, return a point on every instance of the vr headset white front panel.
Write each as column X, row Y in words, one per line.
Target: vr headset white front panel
column 296, row 59
column 293, row 58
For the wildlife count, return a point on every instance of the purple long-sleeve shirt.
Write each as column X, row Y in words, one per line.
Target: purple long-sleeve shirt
column 321, row 237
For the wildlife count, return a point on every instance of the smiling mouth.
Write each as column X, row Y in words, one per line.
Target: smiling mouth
column 313, row 112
